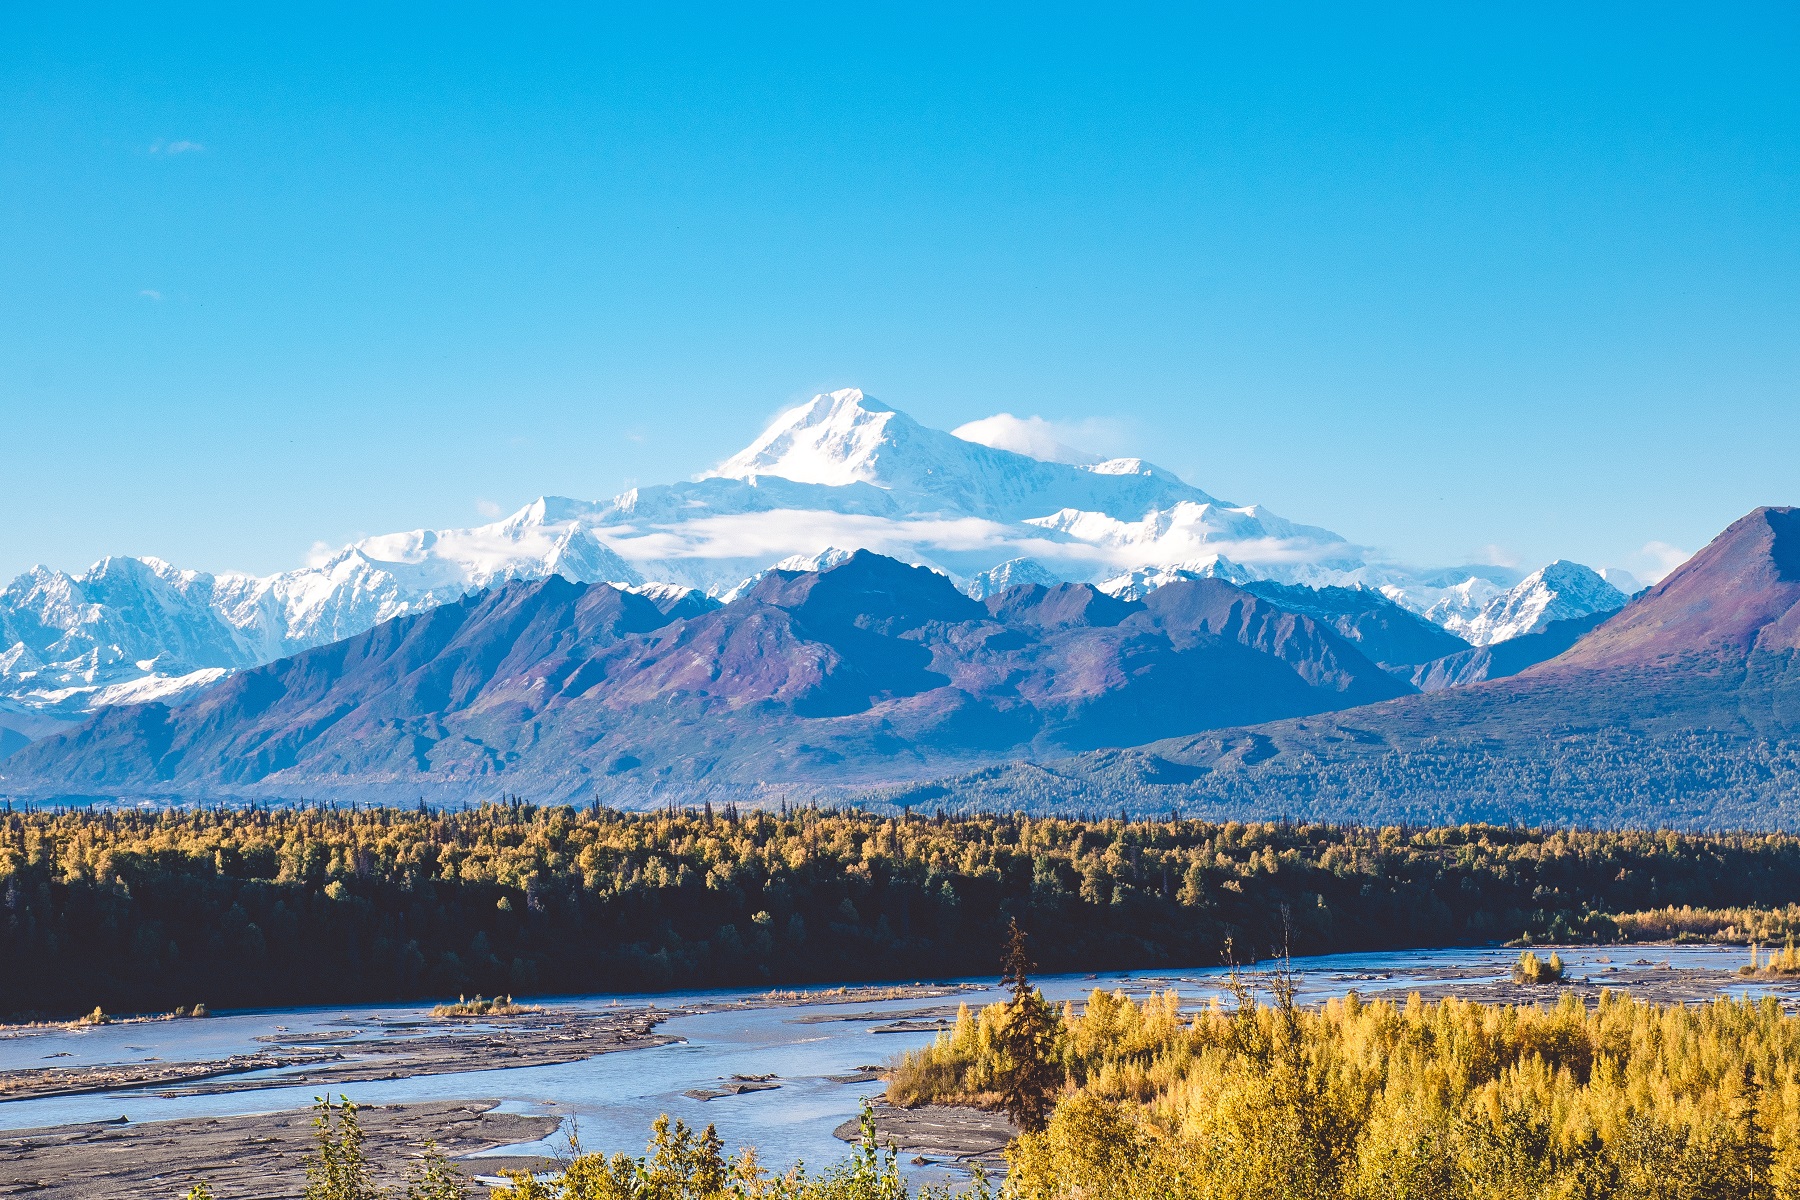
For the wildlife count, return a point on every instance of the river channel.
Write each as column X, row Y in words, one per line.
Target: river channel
column 808, row 1050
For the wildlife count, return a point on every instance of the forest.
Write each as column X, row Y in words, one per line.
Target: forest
column 135, row 911
column 1542, row 772
column 1383, row 1101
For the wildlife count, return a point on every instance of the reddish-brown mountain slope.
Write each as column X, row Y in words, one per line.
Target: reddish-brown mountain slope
column 1738, row 597
column 872, row 670
column 1682, row 709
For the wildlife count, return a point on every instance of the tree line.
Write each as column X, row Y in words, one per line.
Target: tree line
column 144, row 911
column 1544, row 772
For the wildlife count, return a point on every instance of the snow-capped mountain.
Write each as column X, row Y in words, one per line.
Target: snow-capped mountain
column 1139, row 582
column 846, row 438
column 124, row 629
column 1561, row 591
column 1014, row 572
column 128, row 629
column 840, row 471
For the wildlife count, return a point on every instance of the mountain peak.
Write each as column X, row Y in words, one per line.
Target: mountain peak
column 873, row 670
column 1134, row 466
column 832, row 439
column 998, row 503
column 1740, row 594
column 1559, row 591
column 845, row 437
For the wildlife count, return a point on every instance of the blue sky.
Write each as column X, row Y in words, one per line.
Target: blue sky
column 1460, row 281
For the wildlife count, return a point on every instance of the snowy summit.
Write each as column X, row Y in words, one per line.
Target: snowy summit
column 996, row 503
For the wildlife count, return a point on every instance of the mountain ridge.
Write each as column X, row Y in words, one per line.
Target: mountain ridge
column 860, row 475
column 1682, row 709
column 870, row 669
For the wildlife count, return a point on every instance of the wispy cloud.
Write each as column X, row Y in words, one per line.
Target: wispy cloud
column 321, row 553
column 778, row 533
column 488, row 509
column 1083, row 443
column 150, row 294
column 176, row 147
column 1498, row 556
column 1031, row 436
column 1659, row 558
column 956, row 542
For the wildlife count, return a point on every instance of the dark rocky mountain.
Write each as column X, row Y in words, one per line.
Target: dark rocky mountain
column 871, row 671
column 12, row 739
column 1478, row 664
column 19, row 728
column 1682, row 709
column 1382, row 630
column 1409, row 647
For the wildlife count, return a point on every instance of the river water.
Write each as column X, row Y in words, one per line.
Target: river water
column 611, row 1100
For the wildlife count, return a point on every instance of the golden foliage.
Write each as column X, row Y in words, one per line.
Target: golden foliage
column 680, row 1164
column 141, row 911
column 499, row 1006
column 1783, row 962
column 1532, row 969
column 1689, row 924
column 1354, row 1100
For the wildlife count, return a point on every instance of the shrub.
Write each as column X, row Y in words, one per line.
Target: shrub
column 337, row 1170
column 499, row 1006
column 1532, row 969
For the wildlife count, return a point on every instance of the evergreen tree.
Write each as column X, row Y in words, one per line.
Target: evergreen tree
column 1028, row 1077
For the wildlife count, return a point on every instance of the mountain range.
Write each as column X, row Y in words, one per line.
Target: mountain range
column 856, row 674
column 1680, row 710
column 869, row 670
column 841, row 472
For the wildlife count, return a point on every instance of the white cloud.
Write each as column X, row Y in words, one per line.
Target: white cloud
column 1625, row 581
column 1100, row 544
column 780, row 532
column 1659, row 558
column 488, row 509
column 1032, row 436
column 320, row 553
column 150, row 294
column 1498, row 556
column 176, row 147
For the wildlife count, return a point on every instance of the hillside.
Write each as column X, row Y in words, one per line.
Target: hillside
column 1681, row 710
column 868, row 671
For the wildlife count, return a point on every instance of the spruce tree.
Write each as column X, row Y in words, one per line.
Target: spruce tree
column 1028, row 1078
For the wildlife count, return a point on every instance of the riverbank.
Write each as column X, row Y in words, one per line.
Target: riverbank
column 393, row 1049
column 258, row 1157
column 333, row 1058
column 780, row 1071
column 1654, row 980
column 950, row 1134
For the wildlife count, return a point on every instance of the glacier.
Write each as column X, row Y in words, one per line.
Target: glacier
column 839, row 473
